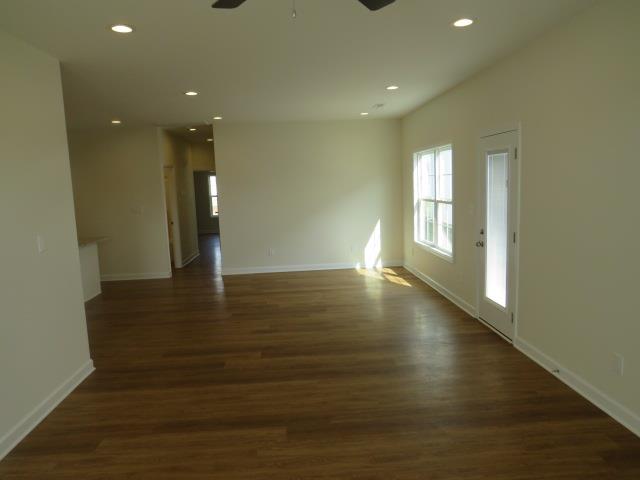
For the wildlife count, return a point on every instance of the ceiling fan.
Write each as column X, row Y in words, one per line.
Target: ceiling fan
column 370, row 4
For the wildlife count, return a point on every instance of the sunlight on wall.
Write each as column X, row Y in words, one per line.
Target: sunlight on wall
column 372, row 250
column 372, row 267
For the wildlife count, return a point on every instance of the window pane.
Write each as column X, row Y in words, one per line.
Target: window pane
column 433, row 176
column 496, row 240
column 445, row 227
column 214, row 205
column 445, row 172
column 213, row 186
column 427, row 221
column 427, row 175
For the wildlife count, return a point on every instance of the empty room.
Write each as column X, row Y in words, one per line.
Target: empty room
column 319, row 239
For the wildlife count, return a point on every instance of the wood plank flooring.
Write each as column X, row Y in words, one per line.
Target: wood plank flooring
column 316, row 375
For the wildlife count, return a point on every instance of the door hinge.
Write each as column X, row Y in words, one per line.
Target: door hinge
column 511, row 317
column 516, row 153
column 514, row 237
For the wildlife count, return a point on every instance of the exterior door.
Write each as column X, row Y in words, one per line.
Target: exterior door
column 497, row 231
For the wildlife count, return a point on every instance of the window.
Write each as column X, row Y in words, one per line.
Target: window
column 433, row 199
column 213, row 195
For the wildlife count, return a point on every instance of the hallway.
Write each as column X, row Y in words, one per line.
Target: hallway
column 312, row 375
column 208, row 263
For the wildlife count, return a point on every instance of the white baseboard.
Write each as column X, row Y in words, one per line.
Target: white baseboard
column 116, row 277
column 299, row 268
column 33, row 418
column 190, row 259
column 601, row 400
column 611, row 407
column 467, row 307
column 393, row 263
column 92, row 296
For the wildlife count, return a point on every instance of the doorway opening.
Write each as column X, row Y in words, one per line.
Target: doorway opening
column 191, row 192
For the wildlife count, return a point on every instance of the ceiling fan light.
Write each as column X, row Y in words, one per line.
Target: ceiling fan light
column 374, row 5
column 225, row 4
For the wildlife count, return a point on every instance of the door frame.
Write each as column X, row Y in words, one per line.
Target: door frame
column 514, row 283
column 171, row 205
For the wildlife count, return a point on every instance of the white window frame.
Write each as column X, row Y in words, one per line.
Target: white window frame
column 211, row 214
column 428, row 246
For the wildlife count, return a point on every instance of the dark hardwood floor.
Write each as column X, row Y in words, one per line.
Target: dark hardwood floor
column 317, row 375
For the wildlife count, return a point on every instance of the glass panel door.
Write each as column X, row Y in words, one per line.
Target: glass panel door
column 497, row 221
column 497, row 227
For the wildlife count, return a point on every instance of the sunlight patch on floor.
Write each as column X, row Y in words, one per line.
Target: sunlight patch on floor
column 384, row 274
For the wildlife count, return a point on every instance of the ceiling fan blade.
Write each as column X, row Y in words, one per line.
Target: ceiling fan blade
column 227, row 3
column 376, row 4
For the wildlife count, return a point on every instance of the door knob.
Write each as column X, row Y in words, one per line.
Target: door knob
column 479, row 243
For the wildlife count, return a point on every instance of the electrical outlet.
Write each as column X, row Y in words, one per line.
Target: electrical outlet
column 618, row 364
column 270, row 252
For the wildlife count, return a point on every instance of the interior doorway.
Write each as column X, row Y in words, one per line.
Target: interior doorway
column 188, row 158
column 206, row 190
column 497, row 232
column 207, row 196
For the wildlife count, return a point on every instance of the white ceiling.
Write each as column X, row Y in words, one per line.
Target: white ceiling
column 200, row 135
column 256, row 63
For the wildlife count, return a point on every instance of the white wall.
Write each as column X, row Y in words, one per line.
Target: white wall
column 119, row 194
column 177, row 154
column 90, row 270
column 312, row 192
column 202, row 157
column 43, row 337
column 575, row 90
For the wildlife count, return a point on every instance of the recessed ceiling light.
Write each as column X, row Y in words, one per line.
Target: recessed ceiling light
column 209, row 139
column 120, row 28
column 191, row 93
column 116, row 122
column 462, row 22
column 364, row 114
column 217, row 118
column 192, row 129
column 393, row 87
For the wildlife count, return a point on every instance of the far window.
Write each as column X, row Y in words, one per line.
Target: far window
column 213, row 195
column 433, row 199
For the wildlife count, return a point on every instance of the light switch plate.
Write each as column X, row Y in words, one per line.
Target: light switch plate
column 41, row 244
column 618, row 364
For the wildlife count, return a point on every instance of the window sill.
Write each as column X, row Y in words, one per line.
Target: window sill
column 435, row 251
